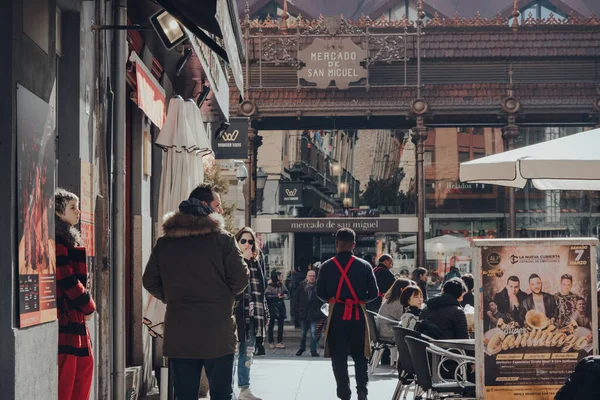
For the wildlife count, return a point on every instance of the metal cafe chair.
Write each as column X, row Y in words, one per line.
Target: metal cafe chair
column 378, row 345
column 406, row 374
column 419, row 350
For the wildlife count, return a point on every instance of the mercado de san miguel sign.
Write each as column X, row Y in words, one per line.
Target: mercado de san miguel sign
column 335, row 60
column 331, row 225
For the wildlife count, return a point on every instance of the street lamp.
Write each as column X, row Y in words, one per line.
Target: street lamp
column 168, row 29
column 261, row 179
column 261, row 182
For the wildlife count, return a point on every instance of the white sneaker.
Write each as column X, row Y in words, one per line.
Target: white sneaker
column 246, row 394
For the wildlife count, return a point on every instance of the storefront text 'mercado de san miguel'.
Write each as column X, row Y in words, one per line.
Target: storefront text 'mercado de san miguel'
column 370, row 225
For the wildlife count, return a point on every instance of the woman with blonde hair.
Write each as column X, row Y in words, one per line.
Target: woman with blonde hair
column 391, row 309
column 250, row 311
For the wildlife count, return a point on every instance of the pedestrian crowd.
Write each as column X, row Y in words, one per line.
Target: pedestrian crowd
column 221, row 306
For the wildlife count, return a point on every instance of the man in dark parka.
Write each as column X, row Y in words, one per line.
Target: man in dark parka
column 197, row 269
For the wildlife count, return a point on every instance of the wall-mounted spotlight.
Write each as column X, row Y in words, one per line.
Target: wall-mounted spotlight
column 187, row 53
column 203, row 95
column 168, row 29
column 222, row 129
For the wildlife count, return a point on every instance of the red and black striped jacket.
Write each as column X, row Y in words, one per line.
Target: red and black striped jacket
column 73, row 299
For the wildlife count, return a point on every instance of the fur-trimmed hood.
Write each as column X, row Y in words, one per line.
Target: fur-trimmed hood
column 66, row 234
column 178, row 224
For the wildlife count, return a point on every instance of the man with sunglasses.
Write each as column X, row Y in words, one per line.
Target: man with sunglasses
column 197, row 269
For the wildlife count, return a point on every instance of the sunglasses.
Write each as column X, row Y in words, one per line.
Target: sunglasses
column 150, row 327
column 244, row 241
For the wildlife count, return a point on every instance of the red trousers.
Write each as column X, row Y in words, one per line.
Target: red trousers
column 75, row 375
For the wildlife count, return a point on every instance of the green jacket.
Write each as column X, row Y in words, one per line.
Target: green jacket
column 197, row 269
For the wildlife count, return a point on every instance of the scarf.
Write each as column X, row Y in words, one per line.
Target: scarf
column 255, row 293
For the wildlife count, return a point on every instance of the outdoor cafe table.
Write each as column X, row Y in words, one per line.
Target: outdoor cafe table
column 462, row 344
column 465, row 345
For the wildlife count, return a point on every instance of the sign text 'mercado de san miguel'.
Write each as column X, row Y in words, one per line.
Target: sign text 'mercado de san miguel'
column 332, row 60
column 331, row 225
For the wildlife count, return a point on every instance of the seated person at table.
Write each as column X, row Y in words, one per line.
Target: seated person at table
column 469, row 297
column 444, row 311
column 412, row 301
column 391, row 309
column 582, row 383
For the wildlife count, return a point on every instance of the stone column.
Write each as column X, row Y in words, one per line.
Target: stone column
column 510, row 133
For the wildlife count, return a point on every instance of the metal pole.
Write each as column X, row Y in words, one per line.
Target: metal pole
column 512, row 212
column 119, row 215
column 510, row 134
column 251, row 175
column 420, row 199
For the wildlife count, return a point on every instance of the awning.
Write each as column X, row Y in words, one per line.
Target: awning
column 150, row 94
column 213, row 17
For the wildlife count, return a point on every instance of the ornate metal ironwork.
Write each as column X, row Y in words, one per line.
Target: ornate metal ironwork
column 269, row 44
column 275, row 50
column 391, row 48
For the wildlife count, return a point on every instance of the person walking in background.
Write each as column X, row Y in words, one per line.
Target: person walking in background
column 391, row 309
column 74, row 302
column 412, row 302
column 347, row 283
column 276, row 293
column 309, row 312
column 384, row 277
column 249, row 312
column 469, row 297
column 197, row 269
column 453, row 273
column 419, row 276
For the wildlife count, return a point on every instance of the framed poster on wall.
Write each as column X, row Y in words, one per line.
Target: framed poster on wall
column 35, row 202
column 536, row 302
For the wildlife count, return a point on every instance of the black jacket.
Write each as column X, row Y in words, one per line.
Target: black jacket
column 549, row 305
column 582, row 384
column 468, row 298
column 309, row 305
column 423, row 286
column 360, row 275
column 385, row 279
column 503, row 302
column 445, row 312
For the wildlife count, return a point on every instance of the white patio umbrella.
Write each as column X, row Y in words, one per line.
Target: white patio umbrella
column 446, row 244
column 184, row 141
column 568, row 163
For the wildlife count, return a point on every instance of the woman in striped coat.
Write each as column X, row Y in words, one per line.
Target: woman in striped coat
column 74, row 303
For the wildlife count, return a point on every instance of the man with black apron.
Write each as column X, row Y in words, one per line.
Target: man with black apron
column 347, row 283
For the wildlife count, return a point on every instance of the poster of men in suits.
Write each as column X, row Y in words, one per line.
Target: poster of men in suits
column 535, row 302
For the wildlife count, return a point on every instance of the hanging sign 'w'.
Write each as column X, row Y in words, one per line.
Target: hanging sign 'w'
column 332, row 59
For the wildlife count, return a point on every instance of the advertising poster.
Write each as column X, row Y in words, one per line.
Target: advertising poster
column 536, row 305
column 36, row 251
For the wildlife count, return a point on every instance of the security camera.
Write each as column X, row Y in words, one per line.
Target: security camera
column 241, row 173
